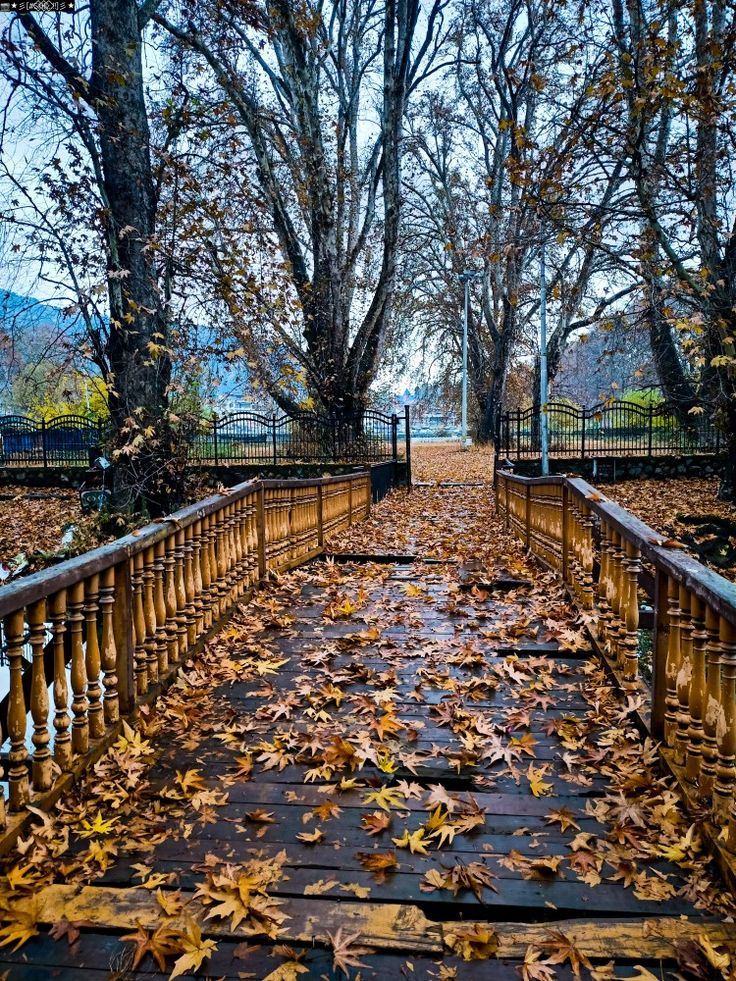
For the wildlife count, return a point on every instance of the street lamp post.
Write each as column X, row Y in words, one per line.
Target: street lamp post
column 543, row 428
column 466, row 277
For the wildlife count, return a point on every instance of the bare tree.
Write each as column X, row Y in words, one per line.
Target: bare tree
column 91, row 76
column 675, row 77
column 320, row 91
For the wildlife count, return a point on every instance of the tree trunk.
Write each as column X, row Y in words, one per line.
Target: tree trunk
column 139, row 361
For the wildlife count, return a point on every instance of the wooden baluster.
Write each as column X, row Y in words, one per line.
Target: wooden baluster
column 605, row 614
column 261, row 533
column 630, row 666
column 41, row 768
column 238, row 550
column 251, row 532
column 190, row 613
column 172, row 641
column 204, row 559
column 231, row 572
column 139, row 625
column 293, row 518
column 697, row 689
column 62, row 720
column 181, row 595
column 197, row 574
column 267, row 530
column 80, row 723
column 572, row 544
column 149, row 613
column 243, row 530
column 214, row 568
column 159, row 605
column 92, row 658
column 712, row 703
column 111, row 700
column 231, row 579
column 19, row 793
column 612, row 593
column 673, row 661
column 725, row 784
column 684, row 677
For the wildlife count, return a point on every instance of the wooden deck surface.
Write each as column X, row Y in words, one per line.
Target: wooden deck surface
column 355, row 695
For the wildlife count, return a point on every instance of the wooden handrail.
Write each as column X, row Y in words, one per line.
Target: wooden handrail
column 126, row 615
column 599, row 549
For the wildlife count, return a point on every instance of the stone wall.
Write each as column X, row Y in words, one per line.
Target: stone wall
column 609, row 470
column 385, row 474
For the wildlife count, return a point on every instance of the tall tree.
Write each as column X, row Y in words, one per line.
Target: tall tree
column 320, row 91
column 97, row 87
column 675, row 63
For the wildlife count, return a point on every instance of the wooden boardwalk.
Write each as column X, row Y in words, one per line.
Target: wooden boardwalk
column 387, row 754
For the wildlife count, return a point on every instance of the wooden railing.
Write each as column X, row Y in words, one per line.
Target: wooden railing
column 607, row 558
column 125, row 616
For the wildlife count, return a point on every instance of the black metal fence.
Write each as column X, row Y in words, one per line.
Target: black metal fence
column 616, row 428
column 61, row 442
column 240, row 437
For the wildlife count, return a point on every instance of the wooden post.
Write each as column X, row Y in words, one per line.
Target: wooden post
column 350, row 501
column 660, row 648
column 528, row 515
column 683, row 677
column 62, row 721
column 39, row 697
column 124, row 637
column 261, row 527
column 95, row 717
column 723, row 790
column 18, row 755
column 110, row 704
column 320, row 517
column 712, row 703
column 80, row 724
column 697, row 690
column 673, row 660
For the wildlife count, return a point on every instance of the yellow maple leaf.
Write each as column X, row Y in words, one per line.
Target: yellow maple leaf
column 98, row 827
column 414, row 841
column 196, row 952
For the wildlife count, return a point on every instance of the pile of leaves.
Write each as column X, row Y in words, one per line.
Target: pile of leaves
column 685, row 509
column 32, row 521
column 441, row 462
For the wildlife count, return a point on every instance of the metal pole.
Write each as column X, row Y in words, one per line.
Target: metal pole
column 464, row 425
column 544, row 433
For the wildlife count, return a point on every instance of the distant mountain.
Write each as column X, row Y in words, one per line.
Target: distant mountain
column 28, row 327
column 26, row 313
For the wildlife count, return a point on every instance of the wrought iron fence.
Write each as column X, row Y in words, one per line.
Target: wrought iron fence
column 240, row 437
column 617, row 428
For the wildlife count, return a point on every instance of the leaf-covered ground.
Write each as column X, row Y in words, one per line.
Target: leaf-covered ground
column 686, row 509
column 426, row 735
column 33, row 520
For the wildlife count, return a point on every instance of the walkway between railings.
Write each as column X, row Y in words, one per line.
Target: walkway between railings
column 391, row 767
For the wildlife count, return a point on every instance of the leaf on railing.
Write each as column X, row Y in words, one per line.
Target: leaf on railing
column 667, row 543
column 595, row 497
